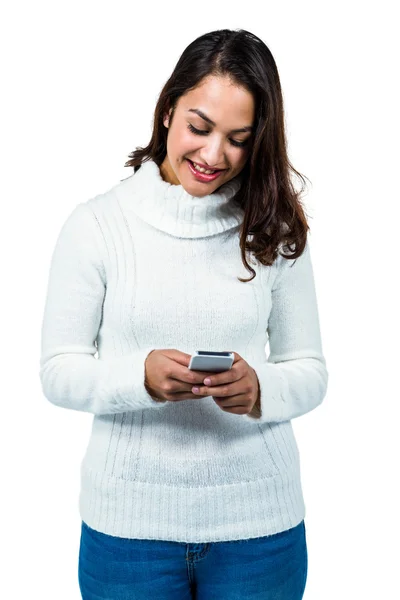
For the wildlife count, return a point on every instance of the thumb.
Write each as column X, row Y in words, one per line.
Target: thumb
column 180, row 357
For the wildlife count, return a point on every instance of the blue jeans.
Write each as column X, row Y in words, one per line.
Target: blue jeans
column 263, row 568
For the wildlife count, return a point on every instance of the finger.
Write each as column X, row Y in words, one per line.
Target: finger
column 230, row 400
column 178, row 396
column 188, row 375
column 180, row 391
column 219, row 391
column 236, row 357
column 239, row 401
column 181, row 358
column 181, row 397
column 234, row 410
column 217, row 379
column 176, row 386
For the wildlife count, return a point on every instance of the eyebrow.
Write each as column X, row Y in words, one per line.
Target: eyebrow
column 203, row 116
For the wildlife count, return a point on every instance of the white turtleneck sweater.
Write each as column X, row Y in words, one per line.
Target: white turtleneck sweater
column 148, row 266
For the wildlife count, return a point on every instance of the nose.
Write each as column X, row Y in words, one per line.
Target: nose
column 212, row 154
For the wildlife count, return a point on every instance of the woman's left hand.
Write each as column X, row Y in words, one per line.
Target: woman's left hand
column 236, row 390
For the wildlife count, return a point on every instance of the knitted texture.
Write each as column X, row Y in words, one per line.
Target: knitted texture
column 148, row 266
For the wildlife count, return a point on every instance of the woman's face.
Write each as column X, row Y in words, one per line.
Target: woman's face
column 221, row 146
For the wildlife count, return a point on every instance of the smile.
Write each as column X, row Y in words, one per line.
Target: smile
column 203, row 170
column 201, row 174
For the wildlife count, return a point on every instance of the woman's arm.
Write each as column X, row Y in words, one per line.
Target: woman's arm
column 294, row 379
column 70, row 375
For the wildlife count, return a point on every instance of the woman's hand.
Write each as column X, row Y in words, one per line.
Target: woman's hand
column 167, row 377
column 236, row 390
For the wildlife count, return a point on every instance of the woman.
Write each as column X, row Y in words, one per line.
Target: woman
column 190, row 484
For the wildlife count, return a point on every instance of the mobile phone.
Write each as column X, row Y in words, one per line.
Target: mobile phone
column 204, row 360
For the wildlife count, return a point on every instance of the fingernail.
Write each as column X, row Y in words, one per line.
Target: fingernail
column 195, row 390
column 207, row 381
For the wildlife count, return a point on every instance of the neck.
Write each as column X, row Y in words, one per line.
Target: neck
column 170, row 208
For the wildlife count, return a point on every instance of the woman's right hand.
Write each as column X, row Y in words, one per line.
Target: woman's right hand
column 167, row 376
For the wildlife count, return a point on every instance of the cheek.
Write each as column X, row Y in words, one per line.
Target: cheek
column 239, row 158
column 181, row 141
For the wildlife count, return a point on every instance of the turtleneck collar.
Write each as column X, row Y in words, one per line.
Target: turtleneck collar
column 170, row 208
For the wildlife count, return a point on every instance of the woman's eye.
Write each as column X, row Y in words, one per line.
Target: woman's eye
column 197, row 131
column 204, row 132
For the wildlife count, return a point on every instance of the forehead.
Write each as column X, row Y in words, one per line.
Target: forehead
column 221, row 100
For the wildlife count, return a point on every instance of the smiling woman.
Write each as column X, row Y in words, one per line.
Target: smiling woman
column 222, row 146
column 222, row 109
column 149, row 272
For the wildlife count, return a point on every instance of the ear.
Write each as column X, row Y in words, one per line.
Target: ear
column 167, row 117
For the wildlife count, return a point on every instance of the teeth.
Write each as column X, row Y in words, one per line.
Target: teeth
column 207, row 171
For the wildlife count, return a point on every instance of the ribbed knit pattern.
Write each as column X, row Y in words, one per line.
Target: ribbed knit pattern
column 147, row 266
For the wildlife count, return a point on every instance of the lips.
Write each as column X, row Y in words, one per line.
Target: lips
column 203, row 177
column 204, row 167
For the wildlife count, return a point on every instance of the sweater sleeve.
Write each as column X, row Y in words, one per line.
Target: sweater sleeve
column 70, row 375
column 294, row 379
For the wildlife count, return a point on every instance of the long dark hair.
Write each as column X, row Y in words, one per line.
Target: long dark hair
column 273, row 211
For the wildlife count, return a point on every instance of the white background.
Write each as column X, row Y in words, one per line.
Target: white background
column 79, row 85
